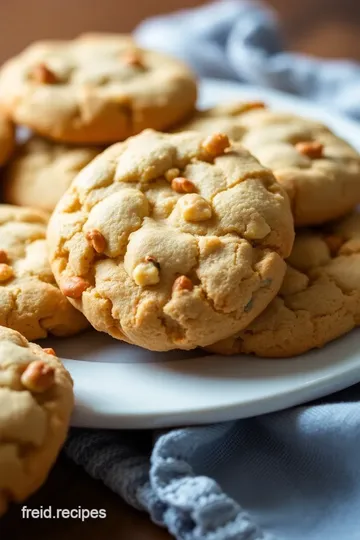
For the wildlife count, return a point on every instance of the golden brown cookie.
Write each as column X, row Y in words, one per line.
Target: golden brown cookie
column 169, row 241
column 319, row 299
column 41, row 171
column 30, row 301
column 7, row 138
column 319, row 170
column 95, row 89
column 36, row 401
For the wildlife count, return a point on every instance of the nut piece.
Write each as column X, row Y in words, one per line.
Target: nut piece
column 3, row 256
column 334, row 243
column 182, row 185
column 43, row 75
column 6, row 272
column 171, row 174
column 133, row 59
column 73, row 287
column 97, row 240
column 257, row 230
column 146, row 273
column 216, row 144
column 182, row 283
column 195, row 208
column 313, row 150
column 38, row 376
column 49, row 350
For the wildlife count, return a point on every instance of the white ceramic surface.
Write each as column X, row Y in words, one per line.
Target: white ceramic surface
column 122, row 386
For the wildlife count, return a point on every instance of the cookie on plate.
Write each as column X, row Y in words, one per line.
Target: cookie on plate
column 95, row 89
column 319, row 299
column 7, row 138
column 36, row 402
column 30, row 301
column 319, row 170
column 170, row 241
column 41, row 171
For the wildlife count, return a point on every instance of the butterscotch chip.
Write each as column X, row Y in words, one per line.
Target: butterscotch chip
column 6, row 272
column 216, row 144
column 36, row 402
column 3, row 256
column 313, row 150
column 73, row 287
column 182, row 283
column 319, row 299
column 124, row 193
column 42, row 74
column 97, row 240
column 107, row 91
column 38, row 376
column 182, row 185
column 49, row 350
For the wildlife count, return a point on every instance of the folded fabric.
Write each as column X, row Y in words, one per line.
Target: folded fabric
column 290, row 475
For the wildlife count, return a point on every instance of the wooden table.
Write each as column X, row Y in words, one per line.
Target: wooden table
column 320, row 27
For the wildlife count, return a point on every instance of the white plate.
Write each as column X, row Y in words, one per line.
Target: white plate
column 122, row 386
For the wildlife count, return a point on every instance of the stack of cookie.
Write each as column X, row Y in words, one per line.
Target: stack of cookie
column 180, row 235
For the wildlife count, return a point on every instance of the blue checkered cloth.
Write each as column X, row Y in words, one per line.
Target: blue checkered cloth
column 291, row 475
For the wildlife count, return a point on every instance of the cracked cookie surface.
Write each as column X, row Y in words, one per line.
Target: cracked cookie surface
column 30, row 300
column 171, row 241
column 319, row 170
column 319, row 299
column 95, row 89
column 7, row 138
column 36, row 398
column 41, row 171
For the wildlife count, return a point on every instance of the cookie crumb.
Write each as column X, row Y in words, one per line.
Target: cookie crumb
column 313, row 150
column 97, row 240
column 38, row 377
column 73, row 287
column 43, row 75
column 182, row 185
column 146, row 273
column 216, row 144
column 6, row 272
column 182, row 283
column 195, row 208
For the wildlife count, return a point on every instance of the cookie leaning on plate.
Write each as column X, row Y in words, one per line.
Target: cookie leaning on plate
column 30, row 300
column 7, row 138
column 320, row 171
column 95, row 89
column 170, row 241
column 41, row 171
column 319, row 299
column 36, row 401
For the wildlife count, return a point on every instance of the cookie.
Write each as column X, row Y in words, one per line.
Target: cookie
column 7, row 138
column 36, row 401
column 95, row 89
column 30, row 301
column 319, row 299
column 41, row 171
column 320, row 171
column 169, row 241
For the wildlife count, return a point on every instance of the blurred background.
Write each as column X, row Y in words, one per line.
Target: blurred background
column 328, row 28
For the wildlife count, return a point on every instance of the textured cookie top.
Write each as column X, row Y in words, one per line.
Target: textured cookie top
column 7, row 138
column 95, row 89
column 30, row 300
column 36, row 401
column 41, row 171
column 319, row 170
column 319, row 299
column 169, row 240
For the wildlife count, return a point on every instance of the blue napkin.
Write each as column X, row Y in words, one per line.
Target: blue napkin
column 291, row 475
